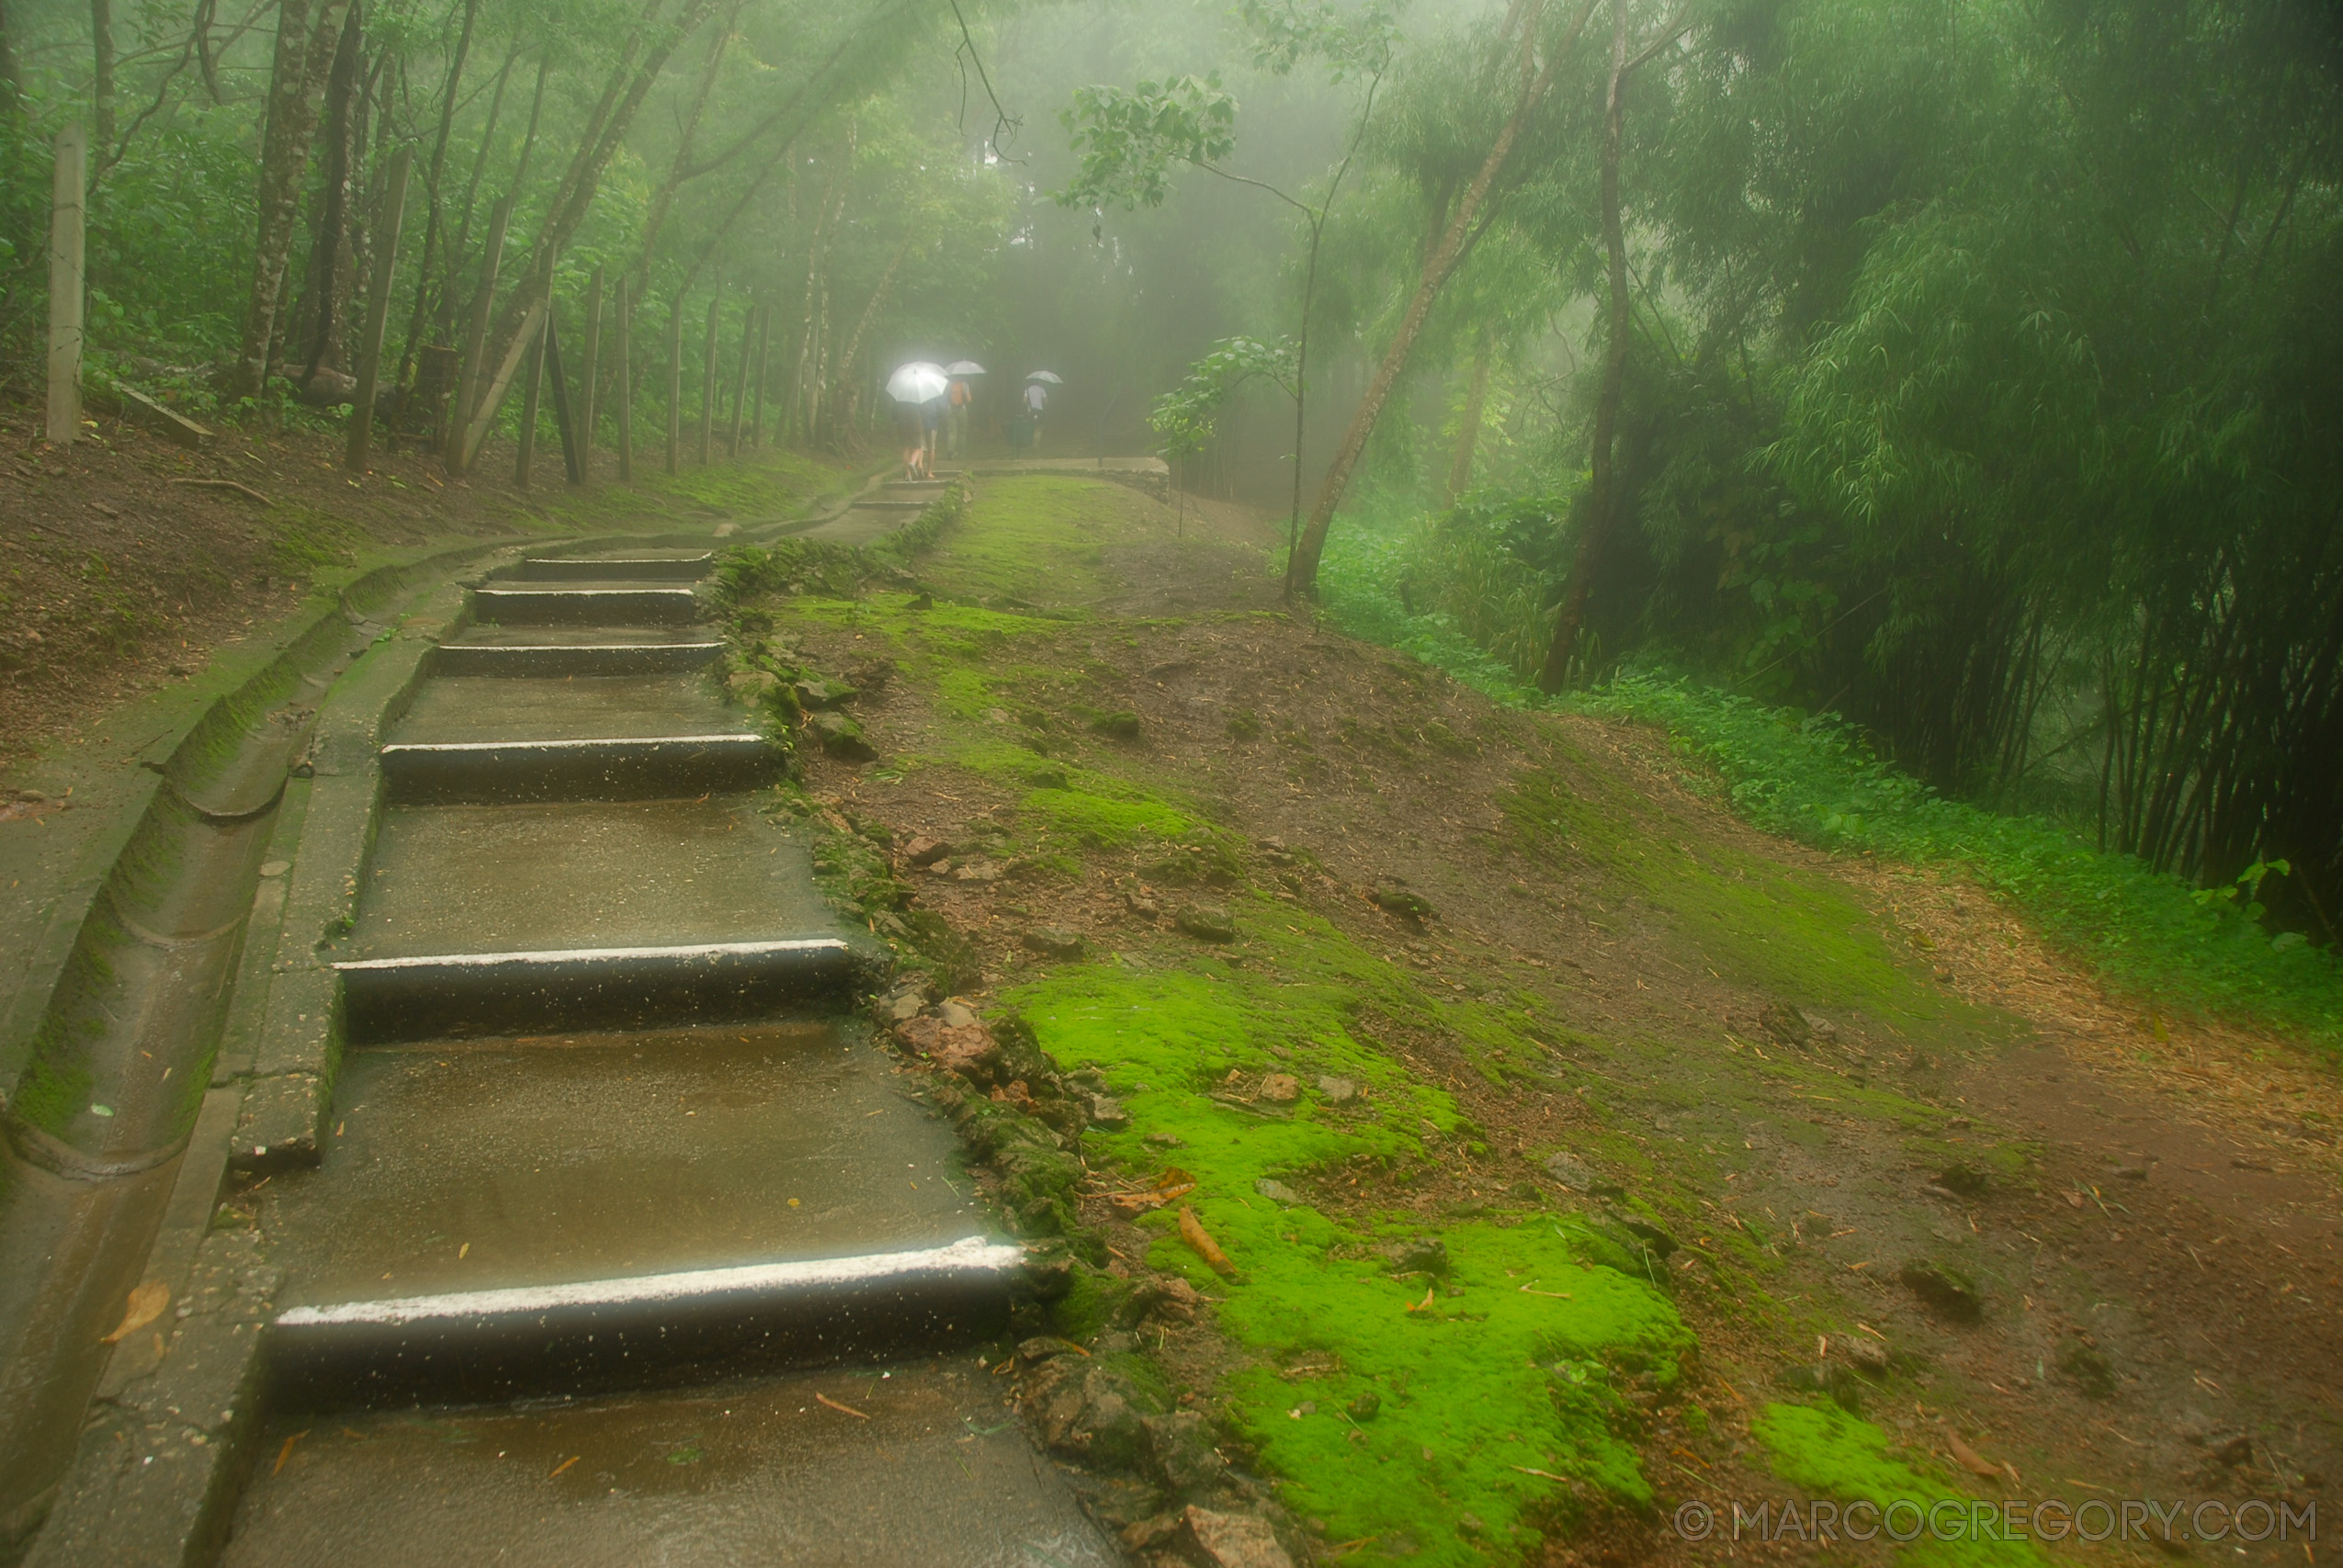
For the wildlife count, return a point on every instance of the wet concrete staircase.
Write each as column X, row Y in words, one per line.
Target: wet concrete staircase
column 624, row 1245
column 878, row 509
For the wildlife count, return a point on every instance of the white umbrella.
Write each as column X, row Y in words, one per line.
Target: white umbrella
column 1049, row 375
column 917, row 383
column 964, row 367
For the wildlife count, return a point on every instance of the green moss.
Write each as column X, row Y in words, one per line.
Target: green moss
column 1035, row 540
column 1100, row 823
column 1782, row 929
column 1473, row 1392
column 1826, row 1452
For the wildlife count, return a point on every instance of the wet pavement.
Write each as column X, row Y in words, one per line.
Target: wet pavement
column 590, row 1265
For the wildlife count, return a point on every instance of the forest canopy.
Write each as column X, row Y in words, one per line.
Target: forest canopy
column 1967, row 369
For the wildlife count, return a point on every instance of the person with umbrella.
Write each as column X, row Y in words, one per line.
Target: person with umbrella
column 1037, row 386
column 961, row 397
column 914, row 388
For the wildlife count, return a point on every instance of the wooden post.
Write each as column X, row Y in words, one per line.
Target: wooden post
column 573, row 445
column 476, row 342
column 763, row 336
column 377, row 312
column 622, row 387
column 675, row 386
column 588, row 368
column 741, row 381
column 65, row 286
column 708, row 381
column 532, row 377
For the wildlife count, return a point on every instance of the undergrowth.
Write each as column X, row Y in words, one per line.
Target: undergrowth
column 1813, row 778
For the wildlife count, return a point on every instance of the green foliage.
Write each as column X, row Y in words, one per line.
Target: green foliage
column 1186, row 419
column 1127, row 141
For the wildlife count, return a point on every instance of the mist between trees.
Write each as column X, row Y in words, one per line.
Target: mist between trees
column 1969, row 368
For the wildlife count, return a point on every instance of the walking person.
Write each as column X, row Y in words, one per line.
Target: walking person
column 910, row 430
column 955, row 429
column 931, row 424
column 918, row 391
column 1036, row 400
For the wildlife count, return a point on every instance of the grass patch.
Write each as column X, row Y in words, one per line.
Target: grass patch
column 1813, row 778
column 1035, row 540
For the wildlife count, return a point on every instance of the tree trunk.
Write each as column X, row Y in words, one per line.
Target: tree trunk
column 843, row 430
column 740, row 380
column 456, row 448
column 589, row 367
column 101, row 87
column 307, row 34
column 675, row 386
column 325, row 291
column 1301, row 569
column 438, row 168
column 1602, row 487
column 459, row 238
column 622, row 383
column 636, row 69
column 1460, row 468
column 12, row 82
column 763, row 342
column 532, row 378
column 708, row 379
column 677, row 173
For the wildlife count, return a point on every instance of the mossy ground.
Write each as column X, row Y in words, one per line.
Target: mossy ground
column 1743, row 1042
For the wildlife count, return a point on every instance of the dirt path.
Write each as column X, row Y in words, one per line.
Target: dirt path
column 1906, row 1159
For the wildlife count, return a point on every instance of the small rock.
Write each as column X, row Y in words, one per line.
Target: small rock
column 1423, row 1255
column 1821, row 1027
column 1366, row 1407
column 276, row 867
column 905, row 1004
column 1180, row 1452
column 1231, row 1540
column 2087, row 1369
column 1108, row 1114
column 2131, row 1172
column 1277, row 1192
column 813, row 692
column 1210, row 923
column 974, row 871
column 1469, row 1525
column 2238, row 1450
column 1966, row 1179
column 1570, row 1171
column 1951, row 1292
column 925, row 852
column 1144, row 908
column 972, row 1051
column 1336, row 1090
column 840, row 737
column 1054, row 941
column 751, row 687
column 1788, row 1025
column 1868, row 1354
column 1280, row 1088
column 1164, row 1140
column 956, row 1013
column 1123, row 724
column 1400, row 902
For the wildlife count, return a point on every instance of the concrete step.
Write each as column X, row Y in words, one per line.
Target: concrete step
column 581, row 737
column 574, row 1214
column 532, row 652
column 633, row 566
column 531, row 915
column 607, row 768
column 585, row 604
column 425, row 995
column 932, row 1469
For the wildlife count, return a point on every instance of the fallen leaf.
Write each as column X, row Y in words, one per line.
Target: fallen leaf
column 565, row 1464
column 287, row 1451
column 146, row 1304
column 1424, row 1305
column 1191, row 1231
column 847, row 1408
column 1971, row 1460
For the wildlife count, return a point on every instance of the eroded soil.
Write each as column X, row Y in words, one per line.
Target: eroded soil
column 1835, row 1078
